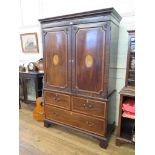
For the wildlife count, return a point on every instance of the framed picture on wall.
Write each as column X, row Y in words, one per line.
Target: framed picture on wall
column 29, row 42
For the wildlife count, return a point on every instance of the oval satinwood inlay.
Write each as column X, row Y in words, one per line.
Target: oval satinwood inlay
column 55, row 59
column 89, row 60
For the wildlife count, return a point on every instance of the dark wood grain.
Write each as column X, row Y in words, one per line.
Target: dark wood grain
column 100, row 12
column 79, row 50
column 131, row 34
column 90, row 44
column 120, row 116
column 57, row 99
column 127, row 92
column 89, row 40
column 56, row 50
column 90, row 107
column 87, row 123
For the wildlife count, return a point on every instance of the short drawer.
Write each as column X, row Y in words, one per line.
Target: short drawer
column 56, row 99
column 76, row 120
column 90, row 107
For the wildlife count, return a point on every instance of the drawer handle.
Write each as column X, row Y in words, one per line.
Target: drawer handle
column 87, row 106
column 56, row 99
column 54, row 113
column 90, row 123
column 90, row 106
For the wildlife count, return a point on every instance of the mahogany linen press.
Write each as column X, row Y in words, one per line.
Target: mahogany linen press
column 80, row 59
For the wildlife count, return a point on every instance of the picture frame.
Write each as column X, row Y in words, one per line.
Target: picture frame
column 29, row 42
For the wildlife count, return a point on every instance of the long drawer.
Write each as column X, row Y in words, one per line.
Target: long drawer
column 57, row 99
column 76, row 120
column 90, row 107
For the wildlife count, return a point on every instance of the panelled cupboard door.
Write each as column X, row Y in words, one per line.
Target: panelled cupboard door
column 57, row 55
column 90, row 48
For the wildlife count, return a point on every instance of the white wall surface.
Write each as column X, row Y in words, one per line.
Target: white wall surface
column 26, row 57
column 32, row 10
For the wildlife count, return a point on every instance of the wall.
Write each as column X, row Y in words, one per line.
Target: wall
column 31, row 11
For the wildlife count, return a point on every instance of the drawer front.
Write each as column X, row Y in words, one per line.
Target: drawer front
column 87, row 106
column 58, row 100
column 76, row 120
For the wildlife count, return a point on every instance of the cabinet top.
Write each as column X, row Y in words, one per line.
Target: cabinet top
column 101, row 12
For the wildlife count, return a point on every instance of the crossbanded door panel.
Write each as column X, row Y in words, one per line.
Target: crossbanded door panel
column 89, row 46
column 57, row 54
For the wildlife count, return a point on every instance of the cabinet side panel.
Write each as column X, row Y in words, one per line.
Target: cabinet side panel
column 112, row 72
column 113, row 57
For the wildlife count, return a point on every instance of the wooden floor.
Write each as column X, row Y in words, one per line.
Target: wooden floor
column 35, row 139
